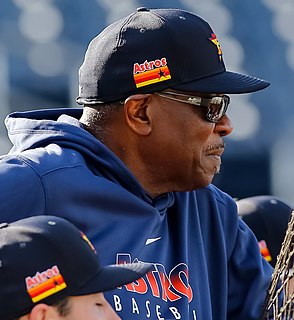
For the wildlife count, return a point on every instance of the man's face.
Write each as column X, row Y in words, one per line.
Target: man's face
column 186, row 148
column 90, row 307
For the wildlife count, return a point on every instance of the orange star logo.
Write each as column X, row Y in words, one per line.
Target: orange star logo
column 215, row 41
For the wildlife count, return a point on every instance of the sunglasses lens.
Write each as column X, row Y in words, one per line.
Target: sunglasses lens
column 217, row 108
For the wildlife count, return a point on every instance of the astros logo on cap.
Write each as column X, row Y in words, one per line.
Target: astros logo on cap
column 264, row 250
column 44, row 284
column 88, row 241
column 151, row 72
column 215, row 41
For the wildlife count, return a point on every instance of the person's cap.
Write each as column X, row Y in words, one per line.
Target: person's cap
column 45, row 258
column 154, row 49
column 268, row 218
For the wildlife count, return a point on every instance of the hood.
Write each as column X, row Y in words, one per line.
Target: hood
column 33, row 129
column 39, row 128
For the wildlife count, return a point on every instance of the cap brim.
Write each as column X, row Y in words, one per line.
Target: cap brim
column 225, row 82
column 113, row 276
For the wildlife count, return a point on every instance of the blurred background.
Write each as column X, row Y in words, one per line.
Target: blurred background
column 42, row 44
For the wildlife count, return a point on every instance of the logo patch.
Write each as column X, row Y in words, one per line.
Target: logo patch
column 44, row 284
column 215, row 41
column 88, row 242
column 264, row 250
column 151, row 72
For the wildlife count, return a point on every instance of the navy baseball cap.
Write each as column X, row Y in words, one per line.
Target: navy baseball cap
column 45, row 258
column 155, row 49
column 268, row 218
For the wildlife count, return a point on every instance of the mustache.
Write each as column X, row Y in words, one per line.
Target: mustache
column 216, row 146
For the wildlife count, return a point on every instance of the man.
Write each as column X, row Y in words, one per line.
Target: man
column 268, row 218
column 50, row 270
column 135, row 165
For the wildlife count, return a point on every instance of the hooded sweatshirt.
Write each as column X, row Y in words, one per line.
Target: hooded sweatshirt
column 206, row 261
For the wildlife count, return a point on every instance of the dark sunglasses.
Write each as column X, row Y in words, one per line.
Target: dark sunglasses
column 216, row 106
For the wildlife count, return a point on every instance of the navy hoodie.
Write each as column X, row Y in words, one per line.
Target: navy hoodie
column 206, row 261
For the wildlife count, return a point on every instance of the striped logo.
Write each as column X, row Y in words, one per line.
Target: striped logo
column 215, row 41
column 264, row 250
column 151, row 72
column 44, row 284
column 88, row 242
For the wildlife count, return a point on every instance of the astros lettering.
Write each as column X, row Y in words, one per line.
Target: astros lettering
column 41, row 277
column 149, row 65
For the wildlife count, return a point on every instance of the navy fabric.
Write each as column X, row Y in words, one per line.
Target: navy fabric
column 206, row 261
column 42, row 248
column 268, row 217
column 176, row 46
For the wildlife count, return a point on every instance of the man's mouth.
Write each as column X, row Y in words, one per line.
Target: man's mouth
column 215, row 150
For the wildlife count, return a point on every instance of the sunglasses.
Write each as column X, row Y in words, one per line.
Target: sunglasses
column 216, row 106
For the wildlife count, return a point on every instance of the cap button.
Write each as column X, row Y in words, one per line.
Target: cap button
column 140, row 9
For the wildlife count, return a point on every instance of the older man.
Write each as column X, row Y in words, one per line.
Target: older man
column 133, row 168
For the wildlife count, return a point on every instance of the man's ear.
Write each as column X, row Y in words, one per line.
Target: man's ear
column 137, row 113
column 41, row 311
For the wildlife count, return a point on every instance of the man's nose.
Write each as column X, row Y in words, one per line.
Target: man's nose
column 224, row 127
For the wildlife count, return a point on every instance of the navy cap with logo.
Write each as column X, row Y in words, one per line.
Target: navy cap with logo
column 155, row 49
column 268, row 218
column 45, row 258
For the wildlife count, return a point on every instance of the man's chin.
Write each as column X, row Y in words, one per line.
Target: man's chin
column 209, row 177
column 203, row 183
